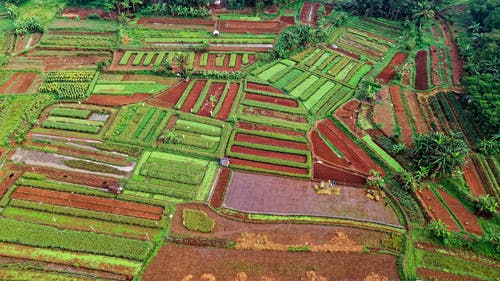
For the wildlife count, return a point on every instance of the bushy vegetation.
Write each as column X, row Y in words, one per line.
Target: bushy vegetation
column 197, row 220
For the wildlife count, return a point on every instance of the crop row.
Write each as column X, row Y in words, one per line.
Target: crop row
column 69, row 76
column 70, row 112
column 65, row 90
column 92, row 129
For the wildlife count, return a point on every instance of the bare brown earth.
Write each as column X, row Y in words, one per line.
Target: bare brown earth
column 188, row 262
column 256, row 193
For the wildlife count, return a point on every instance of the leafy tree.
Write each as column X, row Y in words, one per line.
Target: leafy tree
column 490, row 146
column 297, row 37
column 375, row 180
column 439, row 230
column 441, row 153
column 482, row 90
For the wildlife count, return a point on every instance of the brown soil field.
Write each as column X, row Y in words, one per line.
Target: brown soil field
column 436, row 210
column 73, row 177
column 269, row 154
column 93, row 203
column 262, row 87
column 421, row 80
column 456, row 61
column 225, row 67
column 174, row 21
column 193, row 96
column 282, row 233
column 401, row 117
column 406, row 74
column 254, row 27
column 10, row 178
column 466, row 218
column 416, row 115
column 325, row 171
column 219, row 190
column 12, row 80
column 223, row 264
column 355, row 154
column 473, row 179
column 215, row 90
column 169, row 98
column 274, row 114
column 228, row 102
column 382, row 113
column 442, row 276
column 83, row 13
column 255, row 193
column 272, row 100
column 321, row 150
column 435, row 71
column 265, row 128
column 390, row 71
column 348, row 114
column 87, row 153
column 267, row 166
column 115, row 100
column 23, row 83
column 269, row 141
column 444, row 64
column 54, row 63
column 288, row 19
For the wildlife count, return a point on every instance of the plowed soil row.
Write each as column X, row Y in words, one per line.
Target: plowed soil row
column 269, row 154
column 324, row 171
column 214, row 92
column 254, row 27
column 416, row 115
column 431, row 274
column 403, row 121
column 321, row 150
column 193, row 96
column 466, row 218
column 73, row 177
column 115, row 100
column 348, row 114
column 169, row 98
column 435, row 71
column 421, row 80
column 265, row 128
column 272, row 100
column 92, row 203
column 228, row 102
column 445, row 65
column 179, row 21
column 356, row 155
column 473, row 179
column 241, row 137
column 211, row 65
column 382, row 112
column 456, row 60
column 267, row 166
column 262, row 87
column 436, row 210
column 390, row 71
column 10, row 178
column 275, row 114
column 220, row 187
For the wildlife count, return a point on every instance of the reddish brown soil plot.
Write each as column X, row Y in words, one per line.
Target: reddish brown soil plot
column 325, row 171
column 10, row 178
column 265, row 128
column 274, row 114
column 473, row 180
column 355, row 154
column 309, row 13
column 466, row 218
column 254, row 193
column 264, row 88
column 436, row 209
column 421, row 78
column 382, row 113
column 403, row 121
column 442, row 276
column 92, row 203
column 73, row 177
column 321, row 150
column 255, row 27
column 269, row 154
column 225, row 67
column 180, row 21
column 23, row 83
column 225, row 264
column 214, row 92
column 169, row 98
column 284, row 233
column 228, row 102
column 416, row 115
column 193, row 95
column 435, row 71
column 270, row 141
column 82, row 13
column 267, row 166
column 390, row 71
column 273, row 100
column 115, row 100
column 217, row 196
column 348, row 114
column 12, row 80
column 445, row 65
column 456, row 60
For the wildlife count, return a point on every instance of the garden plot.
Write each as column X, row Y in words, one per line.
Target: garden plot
column 392, row 68
column 188, row 178
column 209, row 98
column 309, row 13
column 74, row 120
column 72, row 85
column 52, row 60
column 127, row 88
column 20, row 83
column 178, row 23
column 82, row 34
column 252, row 27
column 267, row 194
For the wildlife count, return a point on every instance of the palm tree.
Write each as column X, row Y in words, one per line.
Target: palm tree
column 439, row 229
column 424, row 12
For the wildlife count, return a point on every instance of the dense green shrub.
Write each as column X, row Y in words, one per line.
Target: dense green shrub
column 197, row 220
column 29, row 25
